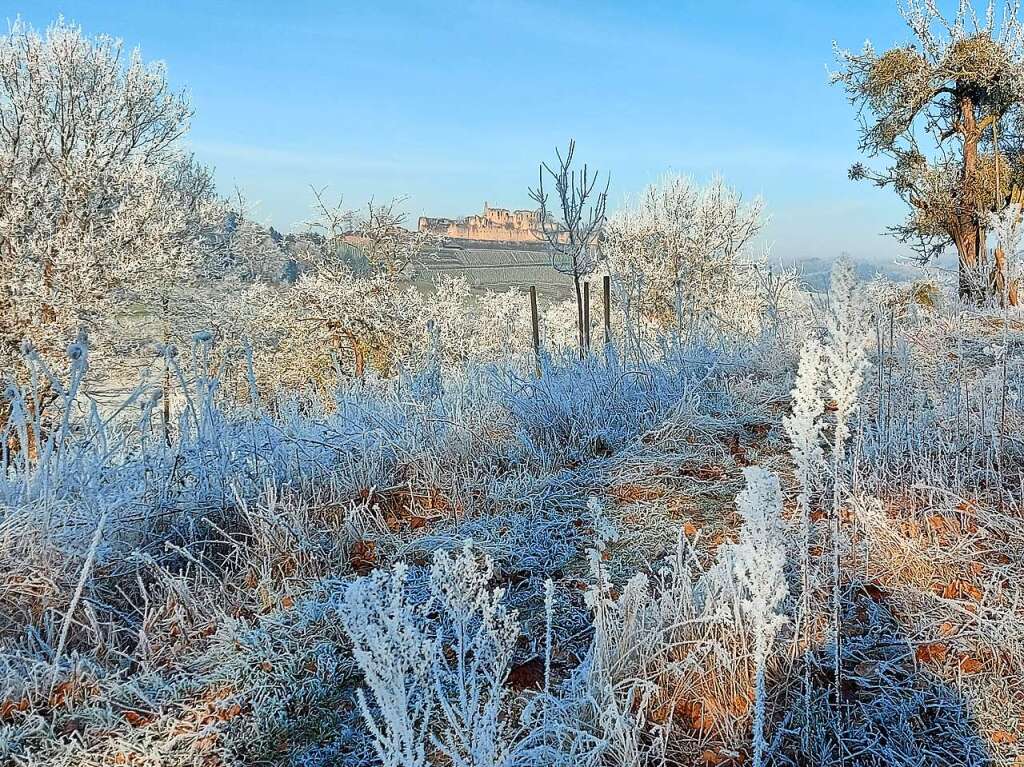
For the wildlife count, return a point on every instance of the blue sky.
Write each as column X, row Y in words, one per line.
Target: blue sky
column 454, row 103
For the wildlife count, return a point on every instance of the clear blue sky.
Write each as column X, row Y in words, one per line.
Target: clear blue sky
column 454, row 103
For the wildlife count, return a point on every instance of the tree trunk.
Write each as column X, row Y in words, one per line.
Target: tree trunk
column 358, row 354
column 48, row 312
column 968, row 233
column 167, row 374
column 965, row 238
column 997, row 280
column 579, row 311
column 357, row 350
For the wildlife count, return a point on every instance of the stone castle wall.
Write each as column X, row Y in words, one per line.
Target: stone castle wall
column 493, row 225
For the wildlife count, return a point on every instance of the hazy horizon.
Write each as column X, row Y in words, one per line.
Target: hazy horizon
column 454, row 104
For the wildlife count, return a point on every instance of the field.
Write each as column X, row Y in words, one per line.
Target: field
column 642, row 561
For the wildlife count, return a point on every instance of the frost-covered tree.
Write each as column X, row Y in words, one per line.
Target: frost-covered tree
column 947, row 112
column 384, row 241
column 453, row 326
column 363, row 303
column 91, row 172
column 678, row 255
column 371, row 316
column 242, row 248
column 639, row 287
column 165, row 284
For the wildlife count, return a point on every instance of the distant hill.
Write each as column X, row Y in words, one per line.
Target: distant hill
column 815, row 272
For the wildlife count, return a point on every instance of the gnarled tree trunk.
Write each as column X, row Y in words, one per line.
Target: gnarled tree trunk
column 966, row 228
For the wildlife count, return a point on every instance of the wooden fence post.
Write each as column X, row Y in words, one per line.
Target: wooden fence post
column 535, row 321
column 586, row 317
column 607, row 309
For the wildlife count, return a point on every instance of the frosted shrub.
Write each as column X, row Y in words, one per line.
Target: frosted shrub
column 804, row 428
column 558, row 328
column 469, row 683
column 335, row 324
column 846, row 359
column 366, row 318
column 617, row 681
column 451, row 325
column 759, row 566
column 396, row 657
column 846, row 363
column 675, row 646
column 447, row 655
column 600, row 715
column 506, row 333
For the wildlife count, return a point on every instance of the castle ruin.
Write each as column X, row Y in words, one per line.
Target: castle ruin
column 493, row 225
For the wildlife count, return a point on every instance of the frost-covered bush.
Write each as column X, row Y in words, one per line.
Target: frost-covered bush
column 679, row 258
column 759, row 562
column 334, row 325
column 669, row 653
column 451, row 667
column 395, row 656
column 847, row 325
column 558, row 328
column 488, row 328
column 804, row 429
column 597, row 407
column 482, row 634
column 506, row 316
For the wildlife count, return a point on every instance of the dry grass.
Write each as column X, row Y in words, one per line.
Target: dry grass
column 211, row 637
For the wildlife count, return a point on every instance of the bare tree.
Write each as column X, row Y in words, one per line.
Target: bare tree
column 574, row 239
column 386, row 243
